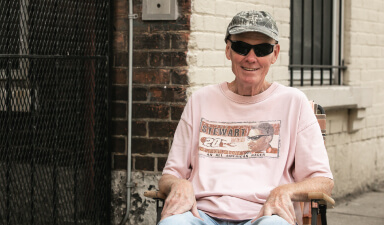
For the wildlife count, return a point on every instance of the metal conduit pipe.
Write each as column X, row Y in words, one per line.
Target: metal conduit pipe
column 130, row 184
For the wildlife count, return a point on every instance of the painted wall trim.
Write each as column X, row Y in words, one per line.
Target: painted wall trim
column 340, row 96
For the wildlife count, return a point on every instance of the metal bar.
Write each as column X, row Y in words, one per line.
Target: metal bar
column 8, row 129
column 291, row 43
column 33, row 147
column 312, row 38
column 315, row 212
column 322, row 44
column 52, row 56
column 77, row 160
column 56, row 126
column 75, row 174
column 302, row 43
column 159, row 209
column 55, row 145
column 9, row 132
column 318, row 66
column 331, row 52
column 79, row 127
column 323, row 214
column 33, row 125
column 340, row 38
column 108, row 98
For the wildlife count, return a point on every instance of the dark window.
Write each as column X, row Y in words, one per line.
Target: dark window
column 316, row 42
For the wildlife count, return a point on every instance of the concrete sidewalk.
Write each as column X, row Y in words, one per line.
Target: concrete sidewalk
column 365, row 209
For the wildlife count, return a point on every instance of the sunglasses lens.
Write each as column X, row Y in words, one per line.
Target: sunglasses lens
column 254, row 138
column 241, row 48
column 263, row 49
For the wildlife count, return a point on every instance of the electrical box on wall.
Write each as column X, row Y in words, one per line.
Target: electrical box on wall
column 160, row 10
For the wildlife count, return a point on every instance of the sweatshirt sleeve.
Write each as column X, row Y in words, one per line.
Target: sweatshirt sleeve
column 311, row 158
column 179, row 157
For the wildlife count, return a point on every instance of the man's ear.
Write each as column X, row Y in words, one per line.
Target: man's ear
column 228, row 51
column 276, row 52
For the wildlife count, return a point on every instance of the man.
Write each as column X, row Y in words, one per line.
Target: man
column 207, row 188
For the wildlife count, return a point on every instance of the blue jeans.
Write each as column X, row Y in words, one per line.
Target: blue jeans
column 188, row 219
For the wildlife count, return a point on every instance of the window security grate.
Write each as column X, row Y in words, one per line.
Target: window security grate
column 316, row 42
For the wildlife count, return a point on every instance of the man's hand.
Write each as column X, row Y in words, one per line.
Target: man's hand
column 280, row 199
column 180, row 199
column 278, row 203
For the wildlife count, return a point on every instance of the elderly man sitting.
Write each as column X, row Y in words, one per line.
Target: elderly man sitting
column 215, row 174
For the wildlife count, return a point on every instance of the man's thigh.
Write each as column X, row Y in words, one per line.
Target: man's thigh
column 269, row 220
column 188, row 218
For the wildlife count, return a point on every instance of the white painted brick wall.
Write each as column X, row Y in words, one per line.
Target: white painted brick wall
column 355, row 162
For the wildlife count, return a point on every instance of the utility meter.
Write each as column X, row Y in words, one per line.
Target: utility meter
column 160, row 10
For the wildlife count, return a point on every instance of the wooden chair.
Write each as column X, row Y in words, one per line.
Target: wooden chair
column 314, row 208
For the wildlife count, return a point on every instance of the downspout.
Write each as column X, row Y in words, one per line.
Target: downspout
column 130, row 184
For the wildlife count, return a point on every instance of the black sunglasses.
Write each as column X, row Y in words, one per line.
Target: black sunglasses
column 254, row 138
column 243, row 48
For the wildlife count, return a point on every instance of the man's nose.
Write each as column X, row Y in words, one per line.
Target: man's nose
column 251, row 57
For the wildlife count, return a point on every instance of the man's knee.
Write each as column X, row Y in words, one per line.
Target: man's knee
column 270, row 220
column 185, row 218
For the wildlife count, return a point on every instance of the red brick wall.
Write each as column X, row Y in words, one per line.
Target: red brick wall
column 159, row 85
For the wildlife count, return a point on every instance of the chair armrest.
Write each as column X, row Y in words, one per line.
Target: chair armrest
column 155, row 194
column 322, row 198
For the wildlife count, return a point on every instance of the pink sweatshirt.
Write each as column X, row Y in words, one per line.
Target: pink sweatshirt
column 236, row 149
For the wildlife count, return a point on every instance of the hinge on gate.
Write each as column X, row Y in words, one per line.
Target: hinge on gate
column 133, row 16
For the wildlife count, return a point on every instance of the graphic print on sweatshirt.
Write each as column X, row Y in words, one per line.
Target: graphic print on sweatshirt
column 239, row 140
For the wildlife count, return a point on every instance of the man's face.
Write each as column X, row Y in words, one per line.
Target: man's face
column 258, row 141
column 251, row 70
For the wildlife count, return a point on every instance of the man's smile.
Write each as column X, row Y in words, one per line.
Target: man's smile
column 249, row 69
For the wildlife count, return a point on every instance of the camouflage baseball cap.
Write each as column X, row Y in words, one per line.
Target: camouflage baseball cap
column 253, row 21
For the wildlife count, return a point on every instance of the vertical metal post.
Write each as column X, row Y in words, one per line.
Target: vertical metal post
column 331, row 52
column 159, row 209
column 312, row 38
column 323, row 213
column 8, row 106
column 340, row 38
column 56, row 111
column 76, row 160
column 314, row 216
column 291, row 44
column 76, row 153
column 33, row 111
column 322, row 44
column 33, row 147
column 108, row 99
column 9, row 132
column 55, row 145
column 302, row 44
column 314, row 211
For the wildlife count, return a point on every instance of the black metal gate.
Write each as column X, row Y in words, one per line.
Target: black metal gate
column 54, row 161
